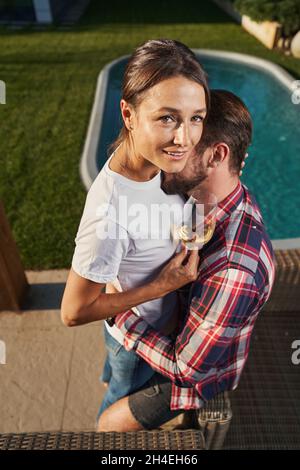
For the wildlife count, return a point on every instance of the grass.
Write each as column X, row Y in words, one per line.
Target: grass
column 51, row 76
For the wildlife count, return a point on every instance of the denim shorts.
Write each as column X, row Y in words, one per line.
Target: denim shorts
column 124, row 371
column 150, row 405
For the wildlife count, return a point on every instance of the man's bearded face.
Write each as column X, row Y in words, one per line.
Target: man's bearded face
column 187, row 179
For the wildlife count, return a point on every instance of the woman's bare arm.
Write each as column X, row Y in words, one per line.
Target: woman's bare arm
column 85, row 301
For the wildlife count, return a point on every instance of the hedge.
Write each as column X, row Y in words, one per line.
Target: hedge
column 286, row 12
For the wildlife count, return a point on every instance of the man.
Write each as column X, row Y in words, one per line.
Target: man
column 235, row 279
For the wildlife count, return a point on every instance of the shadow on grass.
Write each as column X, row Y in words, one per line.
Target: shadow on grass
column 294, row 74
column 154, row 12
column 135, row 13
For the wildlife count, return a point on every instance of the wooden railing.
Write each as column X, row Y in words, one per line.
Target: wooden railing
column 13, row 282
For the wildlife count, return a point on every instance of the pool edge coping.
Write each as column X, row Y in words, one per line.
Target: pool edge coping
column 88, row 165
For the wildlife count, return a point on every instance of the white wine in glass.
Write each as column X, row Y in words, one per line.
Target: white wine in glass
column 199, row 220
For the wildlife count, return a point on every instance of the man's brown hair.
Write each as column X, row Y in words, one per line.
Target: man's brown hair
column 228, row 121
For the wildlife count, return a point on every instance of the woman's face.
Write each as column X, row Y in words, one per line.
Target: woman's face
column 168, row 123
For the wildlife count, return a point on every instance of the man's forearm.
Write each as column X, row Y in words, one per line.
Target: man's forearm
column 109, row 305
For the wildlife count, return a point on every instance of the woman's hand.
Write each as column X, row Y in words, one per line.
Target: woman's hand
column 181, row 270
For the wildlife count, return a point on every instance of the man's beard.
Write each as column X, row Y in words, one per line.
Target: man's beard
column 178, row 185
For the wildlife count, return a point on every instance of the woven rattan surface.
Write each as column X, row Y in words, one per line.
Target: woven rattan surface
column 216, row 409
column 287, row 260
column 286, row 292
column 266, row 404
column 174, row 440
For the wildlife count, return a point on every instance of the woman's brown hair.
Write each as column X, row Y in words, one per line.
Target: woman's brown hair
column 152, row 62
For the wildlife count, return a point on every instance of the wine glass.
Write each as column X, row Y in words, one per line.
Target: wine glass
column 199, row 219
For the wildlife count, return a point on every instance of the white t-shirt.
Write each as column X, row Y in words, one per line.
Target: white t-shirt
column 125, row 234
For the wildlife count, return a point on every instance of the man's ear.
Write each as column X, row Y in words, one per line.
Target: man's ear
column 127, row 113
column 220, row 152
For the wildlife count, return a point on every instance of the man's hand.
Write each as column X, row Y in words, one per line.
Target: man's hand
column 181, row 270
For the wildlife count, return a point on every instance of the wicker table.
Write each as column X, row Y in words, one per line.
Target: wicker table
column 209, row 433
column 174, row 440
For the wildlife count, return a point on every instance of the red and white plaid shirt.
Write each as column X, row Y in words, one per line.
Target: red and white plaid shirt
column 235, row 279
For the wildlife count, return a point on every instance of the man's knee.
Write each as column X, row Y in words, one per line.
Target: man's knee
column 118, row 418
column 103, row 424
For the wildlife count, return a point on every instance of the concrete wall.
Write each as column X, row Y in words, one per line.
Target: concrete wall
column 267, row 32
column 43, row 11
column 48, row 10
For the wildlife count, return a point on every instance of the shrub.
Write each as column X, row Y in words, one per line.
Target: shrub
column 286, row 12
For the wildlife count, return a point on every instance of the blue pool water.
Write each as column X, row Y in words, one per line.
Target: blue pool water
column 272, row 171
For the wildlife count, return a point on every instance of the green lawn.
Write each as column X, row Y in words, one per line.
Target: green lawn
column 51, row 77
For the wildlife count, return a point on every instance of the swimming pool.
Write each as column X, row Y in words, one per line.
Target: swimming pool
column 273, row 168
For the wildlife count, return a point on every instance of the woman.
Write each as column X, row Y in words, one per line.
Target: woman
column 164, row 103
